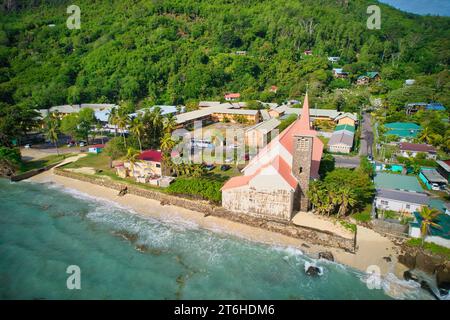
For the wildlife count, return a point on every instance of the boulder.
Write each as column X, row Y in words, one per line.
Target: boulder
column 408, row 260
column 408, row 275
column 443, row 277
column 313, row 271
column 327, row 255
column 427, row 263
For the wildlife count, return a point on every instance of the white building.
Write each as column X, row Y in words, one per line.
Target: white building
column 400, row 201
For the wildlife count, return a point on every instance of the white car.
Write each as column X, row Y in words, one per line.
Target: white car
column 228, row 160
column 435, row 187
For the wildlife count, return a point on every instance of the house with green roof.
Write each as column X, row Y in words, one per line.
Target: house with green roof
column 403, row 130
column 345, row 127
column 439, row 234
column 400, row 182
column 368, row 77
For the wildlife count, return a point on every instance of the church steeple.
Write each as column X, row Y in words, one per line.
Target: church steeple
column 304, row 120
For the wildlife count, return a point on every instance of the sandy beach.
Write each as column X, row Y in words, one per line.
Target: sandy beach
column 372, row 247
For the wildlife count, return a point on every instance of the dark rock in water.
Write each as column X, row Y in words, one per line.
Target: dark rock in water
column 313, row 271
column 425, row 286
column 387, row 259
column 408, row 275
column 126, row 235
column 141, row 247
column 327, row 255
column 443, row 277
column 305, row 245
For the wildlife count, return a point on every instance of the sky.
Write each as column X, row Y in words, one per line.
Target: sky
column 434, row 7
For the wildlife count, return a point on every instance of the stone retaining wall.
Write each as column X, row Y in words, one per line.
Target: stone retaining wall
column 309, row 235
column 31, row 173
column 389, row 228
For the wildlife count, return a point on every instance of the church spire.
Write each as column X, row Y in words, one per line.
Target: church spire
column 304, row 120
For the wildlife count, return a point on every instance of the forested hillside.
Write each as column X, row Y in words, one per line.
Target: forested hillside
column 177, row 51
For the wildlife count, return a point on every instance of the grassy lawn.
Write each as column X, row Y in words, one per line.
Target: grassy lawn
column 430, row 247
column 365, row 215
column 42, row 162
column 97, row 161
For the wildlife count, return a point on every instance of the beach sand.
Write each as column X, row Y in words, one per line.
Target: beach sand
column 372, row 247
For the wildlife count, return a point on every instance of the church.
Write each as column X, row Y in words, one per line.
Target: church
column 274, row 184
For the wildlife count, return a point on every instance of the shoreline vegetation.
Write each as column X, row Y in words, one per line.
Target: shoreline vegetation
column 372, row 248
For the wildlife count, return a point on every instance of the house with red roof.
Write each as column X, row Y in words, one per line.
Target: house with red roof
column 146, row 169
column 275, row 183
column 232, row 96
column 412, row 149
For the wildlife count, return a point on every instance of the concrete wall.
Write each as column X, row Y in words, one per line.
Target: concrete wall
column 340, row 148
column 276, row 203
column 414, row 232
column 390, row 228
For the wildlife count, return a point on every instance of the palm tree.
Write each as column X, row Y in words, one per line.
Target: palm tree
column 170, row 124
column 167, row 145
column 347, row 199
column 112, row 119
column 137, row 128
column 425, row 135
column 132, row 156
column 429, row 216
column 52, row 128
column 122, row 123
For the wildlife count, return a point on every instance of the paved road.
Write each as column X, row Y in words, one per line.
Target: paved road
column 366, row 136
column 346, row 161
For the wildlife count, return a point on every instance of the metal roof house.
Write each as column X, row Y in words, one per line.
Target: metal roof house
column 438, row 235
column 404, row 130
column 400, row 201
column 432, row 179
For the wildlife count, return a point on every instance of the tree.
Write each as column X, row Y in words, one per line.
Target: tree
column 86, row 119
column 122, row 121
column 346, row 200
column 52, row 129
column 429, row 216
column 137, row 129
column 115, row 149
column 425, row 135
column 132, row 156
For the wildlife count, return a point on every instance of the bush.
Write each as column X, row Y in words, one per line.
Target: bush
column 11, row 155
column 431, row 247
column 364, row 216
column 198, row 187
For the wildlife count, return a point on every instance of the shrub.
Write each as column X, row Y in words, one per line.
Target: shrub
column 198, row 187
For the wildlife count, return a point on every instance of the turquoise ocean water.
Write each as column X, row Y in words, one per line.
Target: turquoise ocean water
column 45, row 228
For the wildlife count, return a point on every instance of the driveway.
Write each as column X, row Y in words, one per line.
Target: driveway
column 366, row 135
column 346, row 161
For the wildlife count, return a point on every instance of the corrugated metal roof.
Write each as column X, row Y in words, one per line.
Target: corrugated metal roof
column 403, row 196
column 397, row 182
column 341, row 137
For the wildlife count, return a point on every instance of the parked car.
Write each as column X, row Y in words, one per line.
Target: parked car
column 229, row 160
column 209, row 167
column 225, row 167
column 27, row 146
column 82, row 143
column 435, row 186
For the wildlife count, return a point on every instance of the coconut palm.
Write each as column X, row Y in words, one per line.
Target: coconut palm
column 137, row 128
column 52, row 128
column 122, row 123
column 429, row 216
column 170, row 124
column 112, row 119
column 132, row 156
column 425, row 135
column 347, row 199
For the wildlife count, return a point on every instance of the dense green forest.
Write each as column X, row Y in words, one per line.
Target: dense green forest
column 177, row 51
